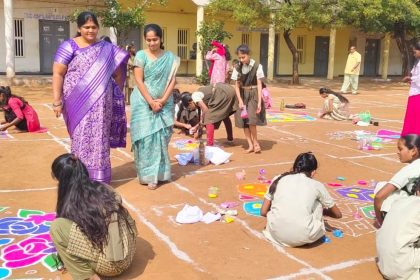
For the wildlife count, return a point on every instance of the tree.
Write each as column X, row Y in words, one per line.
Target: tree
column 401, row 18
column 122, row 19
column 286, row 15
column 210, row 31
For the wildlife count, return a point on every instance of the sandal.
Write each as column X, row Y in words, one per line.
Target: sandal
column 152, row 186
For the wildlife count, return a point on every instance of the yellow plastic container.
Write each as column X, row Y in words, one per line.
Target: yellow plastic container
column 213, row 192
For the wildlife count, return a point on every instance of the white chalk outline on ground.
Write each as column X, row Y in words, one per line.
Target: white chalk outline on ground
column 332, row 144
column 183, row 256
column 164, row 238
column 254, row 232
column 28, row 190
column 59, row 141
column 329, row 268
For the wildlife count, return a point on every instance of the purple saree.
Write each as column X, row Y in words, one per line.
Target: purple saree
column 93, row 109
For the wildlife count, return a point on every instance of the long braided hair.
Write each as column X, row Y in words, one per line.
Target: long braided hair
column 305, row 163
column 7, row 93
column 338, row 95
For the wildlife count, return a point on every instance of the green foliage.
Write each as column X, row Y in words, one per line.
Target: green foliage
column 212, row 31
column 203, row 79
column 122, row 19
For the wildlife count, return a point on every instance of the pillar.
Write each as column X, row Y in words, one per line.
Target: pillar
column 271, row 49
column 331, row 54
column 9, row 38
column 385, row 56
column 199, row 56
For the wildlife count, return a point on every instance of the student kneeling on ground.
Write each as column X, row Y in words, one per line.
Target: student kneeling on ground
column 185, row 119
column 295, row 203
column 398, row 240
column 94, row 234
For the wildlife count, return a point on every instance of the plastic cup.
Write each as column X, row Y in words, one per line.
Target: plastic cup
column 213, row 192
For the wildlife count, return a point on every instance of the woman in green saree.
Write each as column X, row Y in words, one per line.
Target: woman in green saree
column 152, row 108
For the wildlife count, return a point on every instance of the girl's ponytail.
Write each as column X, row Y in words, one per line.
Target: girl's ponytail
column 304, row 163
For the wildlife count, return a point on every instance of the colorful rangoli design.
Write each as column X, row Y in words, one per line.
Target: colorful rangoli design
column 254, row 189
column 275, row 117
column 251, row 194
column 26, row 241
column 185, row 144
column 357, row 193
column 253, row 207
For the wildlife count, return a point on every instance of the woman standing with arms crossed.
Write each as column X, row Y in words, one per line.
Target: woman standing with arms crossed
column 88, row 77
column 152, row 108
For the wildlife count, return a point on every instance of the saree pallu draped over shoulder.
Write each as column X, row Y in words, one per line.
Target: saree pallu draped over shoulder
column 93, row 104
column 151, row 132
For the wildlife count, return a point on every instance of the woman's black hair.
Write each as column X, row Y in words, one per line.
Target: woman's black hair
column 176, row 95
column 228, row 56
column 339, row 95
column 417, row 45
column 304, row 163
column 243, row 49
column 157, row 30
column 412, row 141
column 87, row 203
column 416, row 187
column 7, row 92
column 186, row 99
column 84, row 17
column 105, row 38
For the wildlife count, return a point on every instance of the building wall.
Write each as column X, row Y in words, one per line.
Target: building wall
column 31, row 12
column 182, row 14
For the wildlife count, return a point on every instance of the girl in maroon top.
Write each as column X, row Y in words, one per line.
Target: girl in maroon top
column 17, row 112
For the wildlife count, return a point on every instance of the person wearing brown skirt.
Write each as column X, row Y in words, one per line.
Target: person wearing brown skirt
column 216, row 104
column 248, row 86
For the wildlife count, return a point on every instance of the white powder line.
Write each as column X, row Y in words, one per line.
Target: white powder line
column 164, row 238
column 239, row 167
column 59, row 141
column 318, row 141
column 123, row 179
column 370, row 167
column 254, row 232
column 122, row 151
column 330, row 268
column 384, row 156
column 48, row 106
column 31, row 140
column 28, row 190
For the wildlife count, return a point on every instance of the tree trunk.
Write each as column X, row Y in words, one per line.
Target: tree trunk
column 293, row 50
column 403, row 46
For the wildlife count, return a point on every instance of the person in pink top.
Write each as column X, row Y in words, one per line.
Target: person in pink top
column 218, row 68
column 412, row 114
column 17, row 112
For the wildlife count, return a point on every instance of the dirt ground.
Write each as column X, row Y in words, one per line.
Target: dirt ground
column 237, row 250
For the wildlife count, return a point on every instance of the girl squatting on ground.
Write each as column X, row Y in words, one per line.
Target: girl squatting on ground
column 295, row 204
column 17, row 112
column 93, row 233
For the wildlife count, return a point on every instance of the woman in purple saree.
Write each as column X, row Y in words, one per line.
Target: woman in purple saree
column 88, row 76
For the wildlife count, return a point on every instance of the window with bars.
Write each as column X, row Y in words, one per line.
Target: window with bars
column 183, row 36
column 19, row 47
column 246, row 38
column 300, row 46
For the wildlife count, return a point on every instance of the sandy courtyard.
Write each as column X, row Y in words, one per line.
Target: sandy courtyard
column 237, row 250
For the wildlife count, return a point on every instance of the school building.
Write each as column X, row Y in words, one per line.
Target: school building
column 35, row 28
